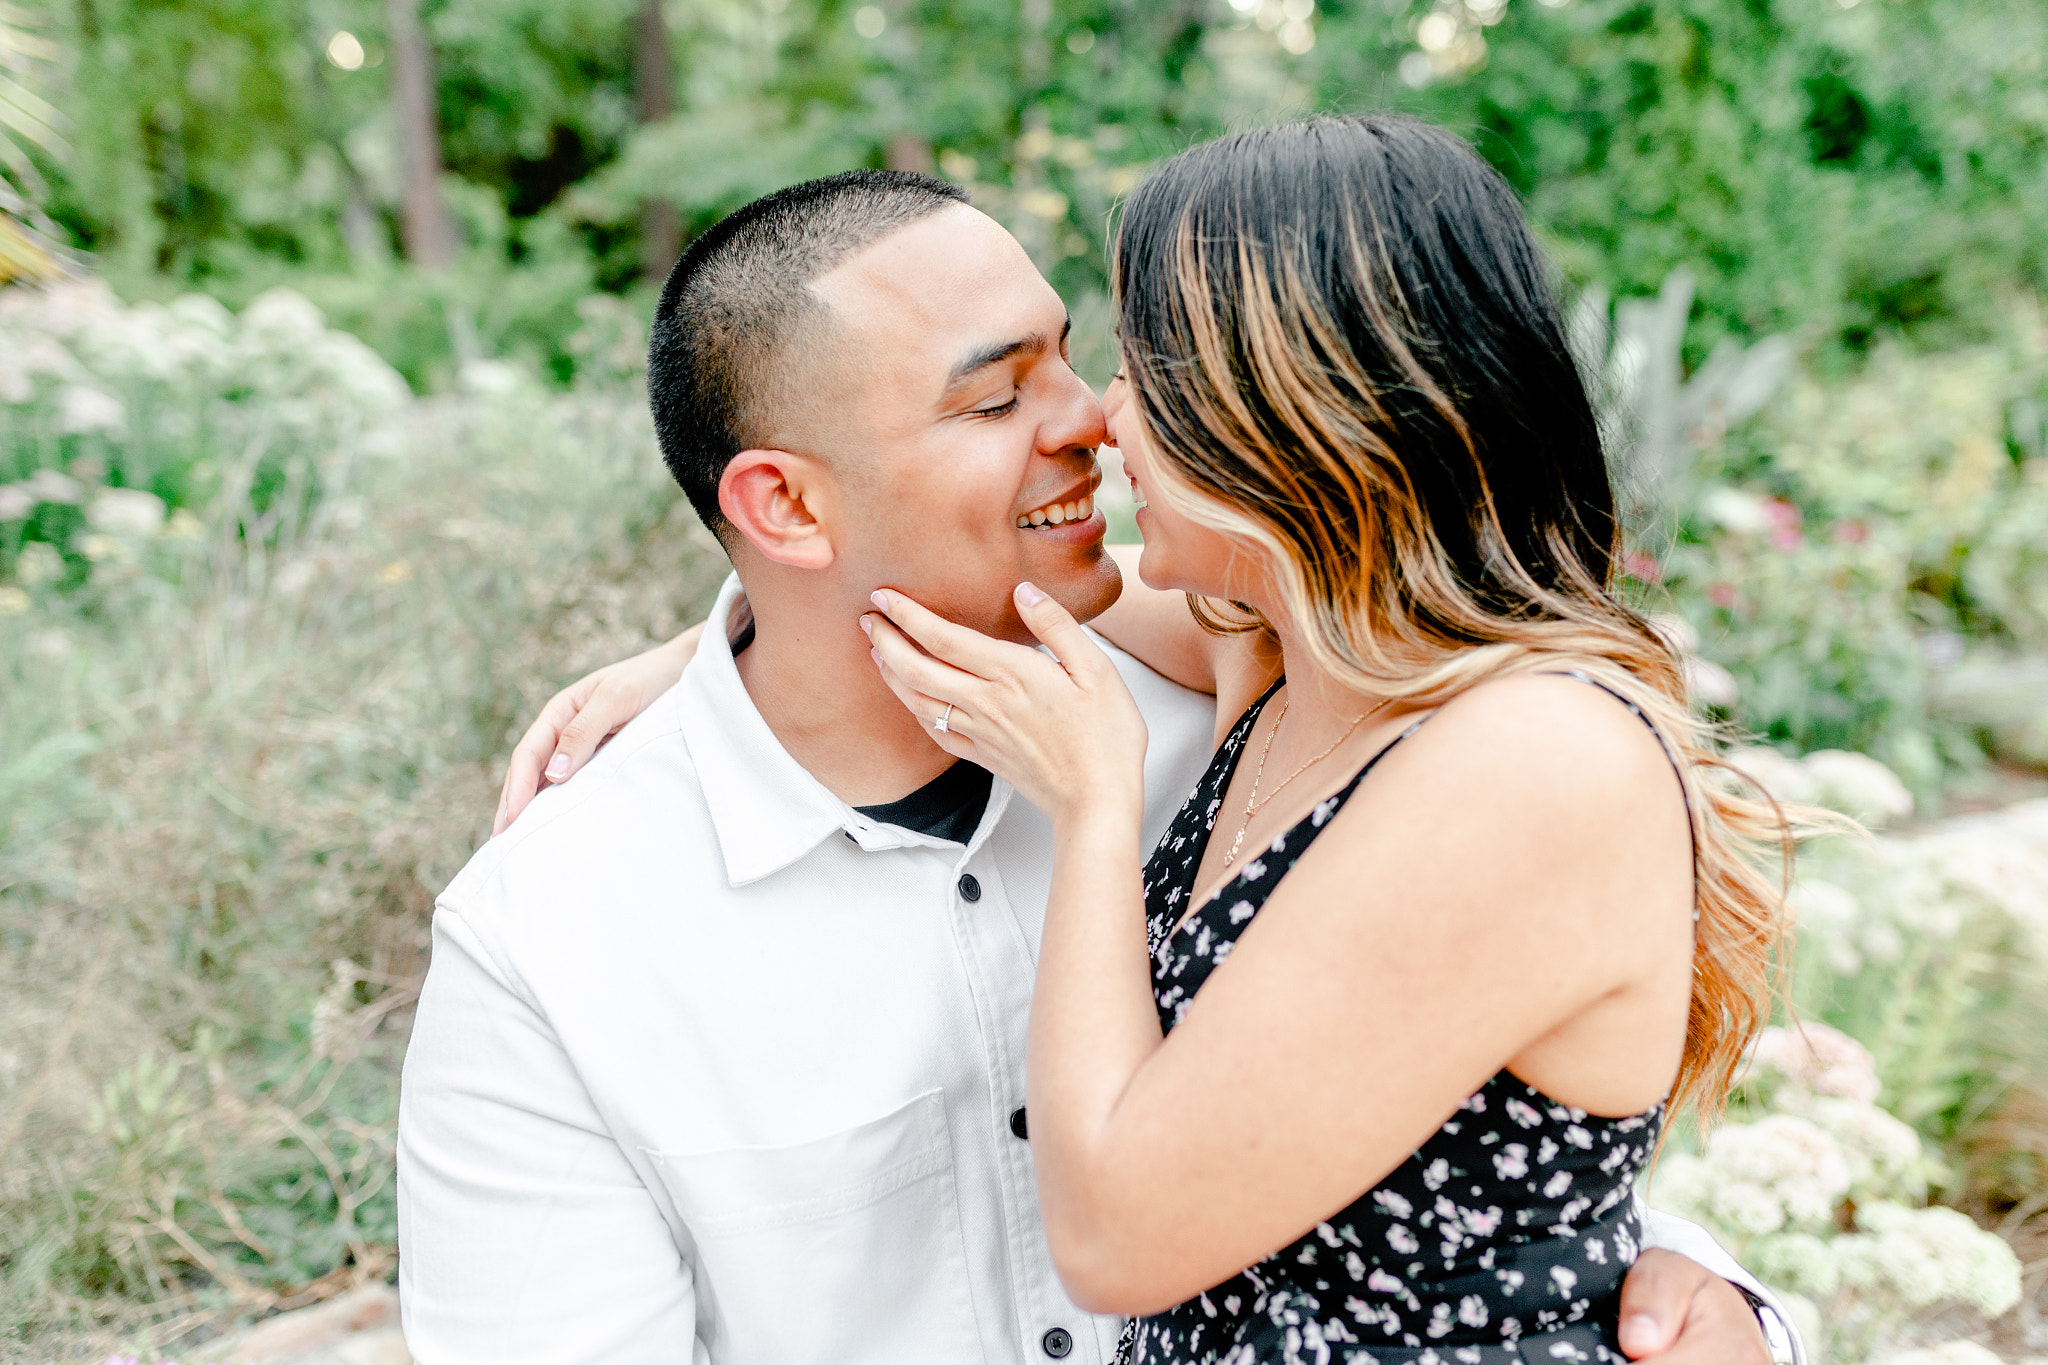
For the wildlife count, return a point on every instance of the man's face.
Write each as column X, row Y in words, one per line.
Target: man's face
column 954, row 427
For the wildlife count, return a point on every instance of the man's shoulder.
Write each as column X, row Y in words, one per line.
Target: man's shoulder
column 635, row 799
column 1175, row 715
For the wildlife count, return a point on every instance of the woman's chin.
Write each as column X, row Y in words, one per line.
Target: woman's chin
column 1154, row 568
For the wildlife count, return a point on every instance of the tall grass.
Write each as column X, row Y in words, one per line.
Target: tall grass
column 234, row 770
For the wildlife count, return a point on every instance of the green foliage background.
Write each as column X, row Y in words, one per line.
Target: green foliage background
column 1843, row 172
column 345, row 597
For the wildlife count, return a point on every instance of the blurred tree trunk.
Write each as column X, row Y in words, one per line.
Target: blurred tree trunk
column 654, row 99
column 909, row 152
column 1034, row 49
column 1034, row 124
column 428, row 231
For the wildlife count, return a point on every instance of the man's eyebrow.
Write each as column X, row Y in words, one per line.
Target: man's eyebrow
column 998, row 352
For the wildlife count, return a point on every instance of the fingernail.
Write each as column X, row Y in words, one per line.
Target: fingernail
column 879, row 598
column 1639, row 1332
column 867, row 625
column 876, row 655
column 1028, row 595
column 558, row 767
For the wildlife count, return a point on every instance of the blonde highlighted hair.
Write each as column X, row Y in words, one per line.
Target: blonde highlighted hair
column 1348, row 352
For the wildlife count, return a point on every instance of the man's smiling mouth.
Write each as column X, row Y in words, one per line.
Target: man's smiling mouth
column 1058, row 513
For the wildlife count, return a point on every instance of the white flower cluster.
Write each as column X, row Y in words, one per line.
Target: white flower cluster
column 1923, row 1257
column 1779, row 1173
column 1854, row 784
column 79, row 345
column 141, row 394
column 1816, row 1060
column 1869, row 904
column 1821, row 1194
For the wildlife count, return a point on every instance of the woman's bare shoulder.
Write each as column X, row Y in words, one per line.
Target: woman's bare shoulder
column 1550, row 728
column 1535, row 761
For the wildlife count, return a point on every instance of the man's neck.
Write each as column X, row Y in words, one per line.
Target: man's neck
column 821, row 694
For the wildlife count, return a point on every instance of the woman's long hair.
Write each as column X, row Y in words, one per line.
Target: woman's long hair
column 1347, row 349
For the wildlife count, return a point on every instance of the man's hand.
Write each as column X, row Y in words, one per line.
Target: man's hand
column 1681, row 1313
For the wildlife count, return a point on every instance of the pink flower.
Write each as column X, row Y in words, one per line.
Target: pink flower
column 1786, row 537
column 1819, row 1059
column 1851, row 532
column 1722, row 595
column 1781, row 513
column 1643, row 569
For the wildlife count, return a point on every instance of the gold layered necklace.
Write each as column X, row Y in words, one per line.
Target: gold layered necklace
column 1254, row 805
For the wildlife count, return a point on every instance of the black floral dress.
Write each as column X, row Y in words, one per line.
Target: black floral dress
column 1502, row 1240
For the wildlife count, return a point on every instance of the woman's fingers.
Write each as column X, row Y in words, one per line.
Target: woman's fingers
column 613, row 704
column 523, row 776
column 942, row 639
column 1057, row 629
column 917, row 670
column 928, row 709
column 578, row 719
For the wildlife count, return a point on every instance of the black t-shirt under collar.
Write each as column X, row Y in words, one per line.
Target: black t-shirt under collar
column 950, row 806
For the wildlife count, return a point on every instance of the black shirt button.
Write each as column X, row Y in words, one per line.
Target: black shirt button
column 970, row 889
column 1059, row 1342
column 1017, row 1123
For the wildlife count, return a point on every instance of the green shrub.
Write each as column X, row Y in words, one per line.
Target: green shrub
column 112, row 417
column 1840, row 553
column 233, row 775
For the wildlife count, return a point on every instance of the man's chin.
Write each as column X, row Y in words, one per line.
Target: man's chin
column 1087, row 590
column 1090, row 595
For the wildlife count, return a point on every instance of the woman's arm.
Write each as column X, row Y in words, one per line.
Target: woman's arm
column 1153, row 626
column 1513, row 869
column 1509, row 887
column 584, row 715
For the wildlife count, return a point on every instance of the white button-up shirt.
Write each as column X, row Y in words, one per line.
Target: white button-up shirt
column 710, row 1067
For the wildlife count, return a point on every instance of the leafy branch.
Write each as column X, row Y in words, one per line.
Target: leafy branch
column 26, row 120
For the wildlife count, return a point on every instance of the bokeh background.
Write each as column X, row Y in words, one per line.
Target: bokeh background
column 324, row 460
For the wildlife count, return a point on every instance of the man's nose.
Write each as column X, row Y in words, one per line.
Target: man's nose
column 1076, row 421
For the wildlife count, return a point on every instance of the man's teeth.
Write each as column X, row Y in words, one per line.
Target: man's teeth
column 1058, row 514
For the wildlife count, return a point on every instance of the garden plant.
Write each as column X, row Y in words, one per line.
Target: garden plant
column 324, row 459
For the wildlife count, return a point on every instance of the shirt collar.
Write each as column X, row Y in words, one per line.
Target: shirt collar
column 766, row 807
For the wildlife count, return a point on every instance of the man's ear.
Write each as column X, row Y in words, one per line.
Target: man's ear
column 775, row 499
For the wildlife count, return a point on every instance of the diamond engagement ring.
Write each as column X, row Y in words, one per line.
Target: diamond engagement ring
column 940, row 724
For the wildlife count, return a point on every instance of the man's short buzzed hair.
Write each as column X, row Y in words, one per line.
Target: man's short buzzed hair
column 738, row 306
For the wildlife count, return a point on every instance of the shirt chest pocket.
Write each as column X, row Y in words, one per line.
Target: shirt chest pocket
column 843, row 1249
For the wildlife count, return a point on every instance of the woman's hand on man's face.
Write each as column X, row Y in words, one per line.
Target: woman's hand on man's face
column 1063, row 730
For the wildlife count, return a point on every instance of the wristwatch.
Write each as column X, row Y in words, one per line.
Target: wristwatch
column 1777, row 1332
